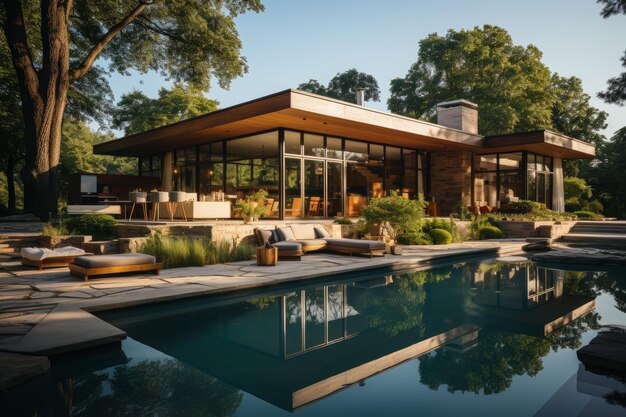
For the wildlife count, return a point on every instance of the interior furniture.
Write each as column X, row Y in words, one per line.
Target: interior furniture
column 138, row 197
column 41, row 258
column 203, row 210
column 356, row 204
column 87, row 266
column 176, row 198
column 294, row 210
column 80, row 209
column 156, row 198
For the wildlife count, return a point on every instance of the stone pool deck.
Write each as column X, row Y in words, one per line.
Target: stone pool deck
column 49, row 312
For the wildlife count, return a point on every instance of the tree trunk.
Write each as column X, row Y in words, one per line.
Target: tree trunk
column 10, row 174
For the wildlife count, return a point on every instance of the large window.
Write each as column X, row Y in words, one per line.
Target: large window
column 509, row 177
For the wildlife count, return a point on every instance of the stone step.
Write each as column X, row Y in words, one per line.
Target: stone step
column 605, row 239
column 595, row 229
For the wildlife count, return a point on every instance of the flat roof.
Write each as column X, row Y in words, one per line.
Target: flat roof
column 300, row 110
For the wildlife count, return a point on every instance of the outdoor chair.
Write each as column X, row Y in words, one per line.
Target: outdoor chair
column 177, row 198
column 156, row 198
column 138, row 197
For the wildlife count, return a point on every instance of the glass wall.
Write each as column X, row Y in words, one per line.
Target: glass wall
column 322, row 176
column 510, row 177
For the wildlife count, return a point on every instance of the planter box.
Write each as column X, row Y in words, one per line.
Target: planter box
column 52, row 242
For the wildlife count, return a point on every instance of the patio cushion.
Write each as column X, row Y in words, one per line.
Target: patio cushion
column 263, row 236
column 321, row 232
column 357, row 243
column 285, row 233
column 37, row 254
column 122, row 259
column 303, row 231
column 288, row 246
column 312, row 244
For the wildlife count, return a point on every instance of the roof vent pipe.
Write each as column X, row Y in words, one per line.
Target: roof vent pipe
column 360, row 96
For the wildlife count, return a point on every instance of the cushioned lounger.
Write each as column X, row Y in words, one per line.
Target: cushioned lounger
column 50, row 258
column 289, row 250
column 370, row 247
column 86, row 266
column 311, row 245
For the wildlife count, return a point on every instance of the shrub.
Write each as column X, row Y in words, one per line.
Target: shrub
column 576, row 188
column 521, row 207
column 252, row 206
column 396, row 215
column 100, row 226
column 594, row 206
column 572, row 205
column 441, row 236
column 342, row 220
column 445, row 224
column 490, row 232
column 415, row 238
column 587, row 215
column 180, row 252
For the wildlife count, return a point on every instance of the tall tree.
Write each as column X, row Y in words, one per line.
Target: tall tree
column 136, row 112
column 55, row 43
column 343, row 86
column 606, row 177
column 509, row 82
column 616, row 91
column 573, row 115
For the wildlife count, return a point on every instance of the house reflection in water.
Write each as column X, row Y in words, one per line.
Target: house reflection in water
column 296, row 346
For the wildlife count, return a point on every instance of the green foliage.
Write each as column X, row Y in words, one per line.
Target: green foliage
column 607, row 178
column 441, row 236
column 252, row 206
column 576, row 188
column 137, row 113
column 490, row 232
column 509, row 82
column 587, row 215
column 616, row 91
column 342, row 220
column 100, row 226
column 541, row 215
column 55, row 229
column 521, row 207
column 594, row 206
column 438, row 223
column 415, row 238
column 395, row 215
column 343, row 86
column 181, row 252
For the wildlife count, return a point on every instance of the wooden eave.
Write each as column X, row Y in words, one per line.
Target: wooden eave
column 298, row 110
column 542, row 142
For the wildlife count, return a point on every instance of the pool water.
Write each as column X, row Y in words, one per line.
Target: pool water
column 475, row 338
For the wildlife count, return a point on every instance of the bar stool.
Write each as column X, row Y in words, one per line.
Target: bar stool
column 158, row 197
column 176, row 199
column 138, row 197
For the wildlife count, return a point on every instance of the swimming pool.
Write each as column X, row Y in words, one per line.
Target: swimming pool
column 487, row 337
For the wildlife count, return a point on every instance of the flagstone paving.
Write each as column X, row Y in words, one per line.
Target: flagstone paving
column 49, row 312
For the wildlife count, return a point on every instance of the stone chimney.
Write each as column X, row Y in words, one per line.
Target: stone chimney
column 458, row 114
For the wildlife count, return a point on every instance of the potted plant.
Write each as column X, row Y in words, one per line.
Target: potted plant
column 252, row 207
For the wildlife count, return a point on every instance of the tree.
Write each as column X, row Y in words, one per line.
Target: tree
column 509, row 82
column 343, row 86
column 189, row 40
column 616, row 91
column 136, row 112
column 606, row 177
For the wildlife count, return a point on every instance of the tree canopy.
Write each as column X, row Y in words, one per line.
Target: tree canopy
column 509, row 82
column 136, row 112
column 343, row 86
column 616, row 90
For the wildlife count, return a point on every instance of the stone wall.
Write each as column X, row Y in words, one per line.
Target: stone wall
column 451, row 180
column 549, row 229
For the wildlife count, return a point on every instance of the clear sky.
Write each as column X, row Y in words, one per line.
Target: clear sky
column 296, row 40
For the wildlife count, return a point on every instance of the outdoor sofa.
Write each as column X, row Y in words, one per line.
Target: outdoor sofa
column 297, row 239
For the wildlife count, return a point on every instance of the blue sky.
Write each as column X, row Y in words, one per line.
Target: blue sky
column 295, row 40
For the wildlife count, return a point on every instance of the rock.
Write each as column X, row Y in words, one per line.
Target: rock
column 541, row 246
column 606, row 351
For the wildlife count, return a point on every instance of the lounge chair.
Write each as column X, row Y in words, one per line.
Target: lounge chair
column 41, row 258
column 87, row 266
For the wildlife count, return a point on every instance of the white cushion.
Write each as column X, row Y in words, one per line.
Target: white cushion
column 37, row 254
column 303, row 231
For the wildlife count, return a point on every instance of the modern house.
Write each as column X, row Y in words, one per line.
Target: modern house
column 318, row 157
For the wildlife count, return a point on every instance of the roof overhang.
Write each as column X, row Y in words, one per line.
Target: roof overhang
column 298, row 110
column 543, row 142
